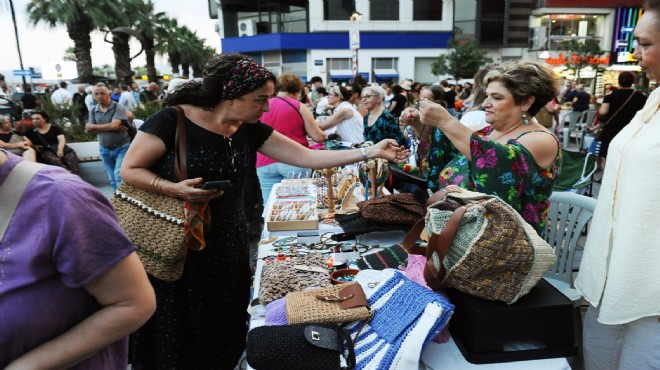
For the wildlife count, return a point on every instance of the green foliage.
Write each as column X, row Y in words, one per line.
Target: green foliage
column 583, row 52
column 463, row 62
column 144, row 110
column 66, row 118
column 70, row 55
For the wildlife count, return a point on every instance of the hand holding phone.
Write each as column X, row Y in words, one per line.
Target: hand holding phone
column 216, row 185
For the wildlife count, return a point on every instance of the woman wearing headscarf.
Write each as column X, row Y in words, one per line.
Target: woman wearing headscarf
column 200, row 319
column 346, row 117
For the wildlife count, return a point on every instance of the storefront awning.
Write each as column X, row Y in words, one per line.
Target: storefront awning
column 341, row 74
column 386, row 73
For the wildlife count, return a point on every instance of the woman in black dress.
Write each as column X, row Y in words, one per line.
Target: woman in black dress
column 201, row 320
column 51, row 145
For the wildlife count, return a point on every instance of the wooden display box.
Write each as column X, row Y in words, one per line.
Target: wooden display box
column 300, row 224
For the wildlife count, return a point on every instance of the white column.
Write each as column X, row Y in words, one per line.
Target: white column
column 315, row 14
column 362, row 6
column 405, row 11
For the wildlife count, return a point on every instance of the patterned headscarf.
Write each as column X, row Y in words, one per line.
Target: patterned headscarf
column 246, row 76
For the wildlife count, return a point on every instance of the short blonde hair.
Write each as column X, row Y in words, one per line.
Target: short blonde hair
column 524, row 79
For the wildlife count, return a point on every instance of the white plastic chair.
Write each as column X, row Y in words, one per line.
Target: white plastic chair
column 568, row 218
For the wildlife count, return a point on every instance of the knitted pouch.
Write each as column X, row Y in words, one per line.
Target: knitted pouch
column 390, row 257
column 336, row 304
column 298, row 347
column 400, row 208
column 483, row 247
column 282, row 277
column 355, row 224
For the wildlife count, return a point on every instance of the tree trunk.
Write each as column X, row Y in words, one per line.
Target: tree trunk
column 197, row 71
column 151, row 59
column 175, row 61
column 185, row 70
column 82, row 49
column 121, row 49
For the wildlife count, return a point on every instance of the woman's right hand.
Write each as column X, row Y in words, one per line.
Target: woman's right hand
column 189, row 190
column 409, row 116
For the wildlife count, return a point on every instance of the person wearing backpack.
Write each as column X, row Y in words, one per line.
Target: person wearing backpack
column 105, row 120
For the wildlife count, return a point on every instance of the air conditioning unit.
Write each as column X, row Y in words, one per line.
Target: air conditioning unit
column 247, row 27
column 537, row 38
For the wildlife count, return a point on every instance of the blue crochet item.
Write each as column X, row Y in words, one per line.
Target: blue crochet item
column 398, row 305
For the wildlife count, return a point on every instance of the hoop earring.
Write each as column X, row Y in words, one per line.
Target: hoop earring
column 525, row 119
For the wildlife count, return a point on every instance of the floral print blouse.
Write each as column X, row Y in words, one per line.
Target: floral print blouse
column 508, row 171
column 385, row 127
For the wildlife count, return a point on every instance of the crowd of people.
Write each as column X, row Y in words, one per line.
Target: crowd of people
column 242, row 120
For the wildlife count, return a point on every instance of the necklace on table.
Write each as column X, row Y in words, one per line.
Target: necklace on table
column 506, row 133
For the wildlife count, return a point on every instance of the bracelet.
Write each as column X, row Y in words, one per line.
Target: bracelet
column 363, row 151
column 154, row 182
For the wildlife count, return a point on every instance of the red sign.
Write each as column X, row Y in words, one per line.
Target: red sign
column 561, row 60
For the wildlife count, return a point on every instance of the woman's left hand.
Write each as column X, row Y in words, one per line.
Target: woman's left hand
column 433, row 114
column 389, row 149
column 60, row 154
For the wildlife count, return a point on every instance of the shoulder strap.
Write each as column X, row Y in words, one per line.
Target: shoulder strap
column 180, row 139
column 292, row 106
column 619, row 110
column 544, row 131
column 12, row 190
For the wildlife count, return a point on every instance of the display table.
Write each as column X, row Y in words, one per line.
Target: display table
column 437, row 356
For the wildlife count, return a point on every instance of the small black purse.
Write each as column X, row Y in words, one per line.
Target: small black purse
column 299, row 346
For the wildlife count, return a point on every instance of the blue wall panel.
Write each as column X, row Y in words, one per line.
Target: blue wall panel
column 336, row 40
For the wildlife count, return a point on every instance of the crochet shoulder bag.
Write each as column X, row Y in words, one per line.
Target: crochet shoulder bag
column 480, row 245
column 154, row 222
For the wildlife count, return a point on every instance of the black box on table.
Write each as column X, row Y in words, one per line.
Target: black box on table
column 491, row 331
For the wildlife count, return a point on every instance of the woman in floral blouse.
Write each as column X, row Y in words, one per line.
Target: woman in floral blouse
column 514, row 158
column 379, row 124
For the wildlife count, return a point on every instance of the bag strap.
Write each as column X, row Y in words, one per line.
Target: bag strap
column 619, row 110
column 292, row 106
column 440, row 243
column 180, row 153
column 350, row 360
column 12, row 190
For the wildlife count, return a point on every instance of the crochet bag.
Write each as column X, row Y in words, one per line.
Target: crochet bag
column 282, row 277
column 336, row 304
column 400, row 208
column 481, row 246
column 388, row 258
column 154, row 222
column 298, row 347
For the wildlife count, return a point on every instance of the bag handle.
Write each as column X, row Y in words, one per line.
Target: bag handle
column 180, row 139
column 440, row 243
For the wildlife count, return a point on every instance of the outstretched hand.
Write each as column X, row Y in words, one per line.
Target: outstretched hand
column 433, row 114
column 389, row 149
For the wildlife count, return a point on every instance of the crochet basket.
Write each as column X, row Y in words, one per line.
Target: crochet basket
column 313, row 306
column 154, row 223
column 282, row 277
column 481, row 246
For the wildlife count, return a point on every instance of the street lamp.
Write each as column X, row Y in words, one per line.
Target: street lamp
column 354, row 37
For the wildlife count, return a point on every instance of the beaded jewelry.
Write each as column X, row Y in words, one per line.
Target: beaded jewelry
column 525, row 119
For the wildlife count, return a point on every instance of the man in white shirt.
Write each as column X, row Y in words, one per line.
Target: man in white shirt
column 62, row 96
column 322, row 93
column 126, row 98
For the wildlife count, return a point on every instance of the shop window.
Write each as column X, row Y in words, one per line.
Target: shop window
column 427, row 10
column 338, row 10
column 465, row 20
column 384, row 10
column 565, row 27
column 491, row 32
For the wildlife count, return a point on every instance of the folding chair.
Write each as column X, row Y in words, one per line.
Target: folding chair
column 568, row 218
column 568, row 126
column 576, row 173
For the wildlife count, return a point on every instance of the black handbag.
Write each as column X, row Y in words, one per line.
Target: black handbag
column 299, row 346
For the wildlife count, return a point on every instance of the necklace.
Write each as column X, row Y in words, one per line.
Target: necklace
column 506, row 133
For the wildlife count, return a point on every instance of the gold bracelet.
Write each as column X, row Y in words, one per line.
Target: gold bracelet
column 154, row 181
column 160, row 185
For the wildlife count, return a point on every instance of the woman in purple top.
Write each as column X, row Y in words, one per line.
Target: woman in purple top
column 71, row 285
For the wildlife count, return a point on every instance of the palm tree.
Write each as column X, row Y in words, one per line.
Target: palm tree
column 151, row 25
column 167, row 43
column 80, row 17
column 120, row 45
column 18, row 43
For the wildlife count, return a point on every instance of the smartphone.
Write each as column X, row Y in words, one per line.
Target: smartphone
column 218, row 185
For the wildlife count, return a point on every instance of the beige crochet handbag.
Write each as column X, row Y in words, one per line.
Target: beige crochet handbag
column 481, row 246
column 154, row 222
column 336, row 304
